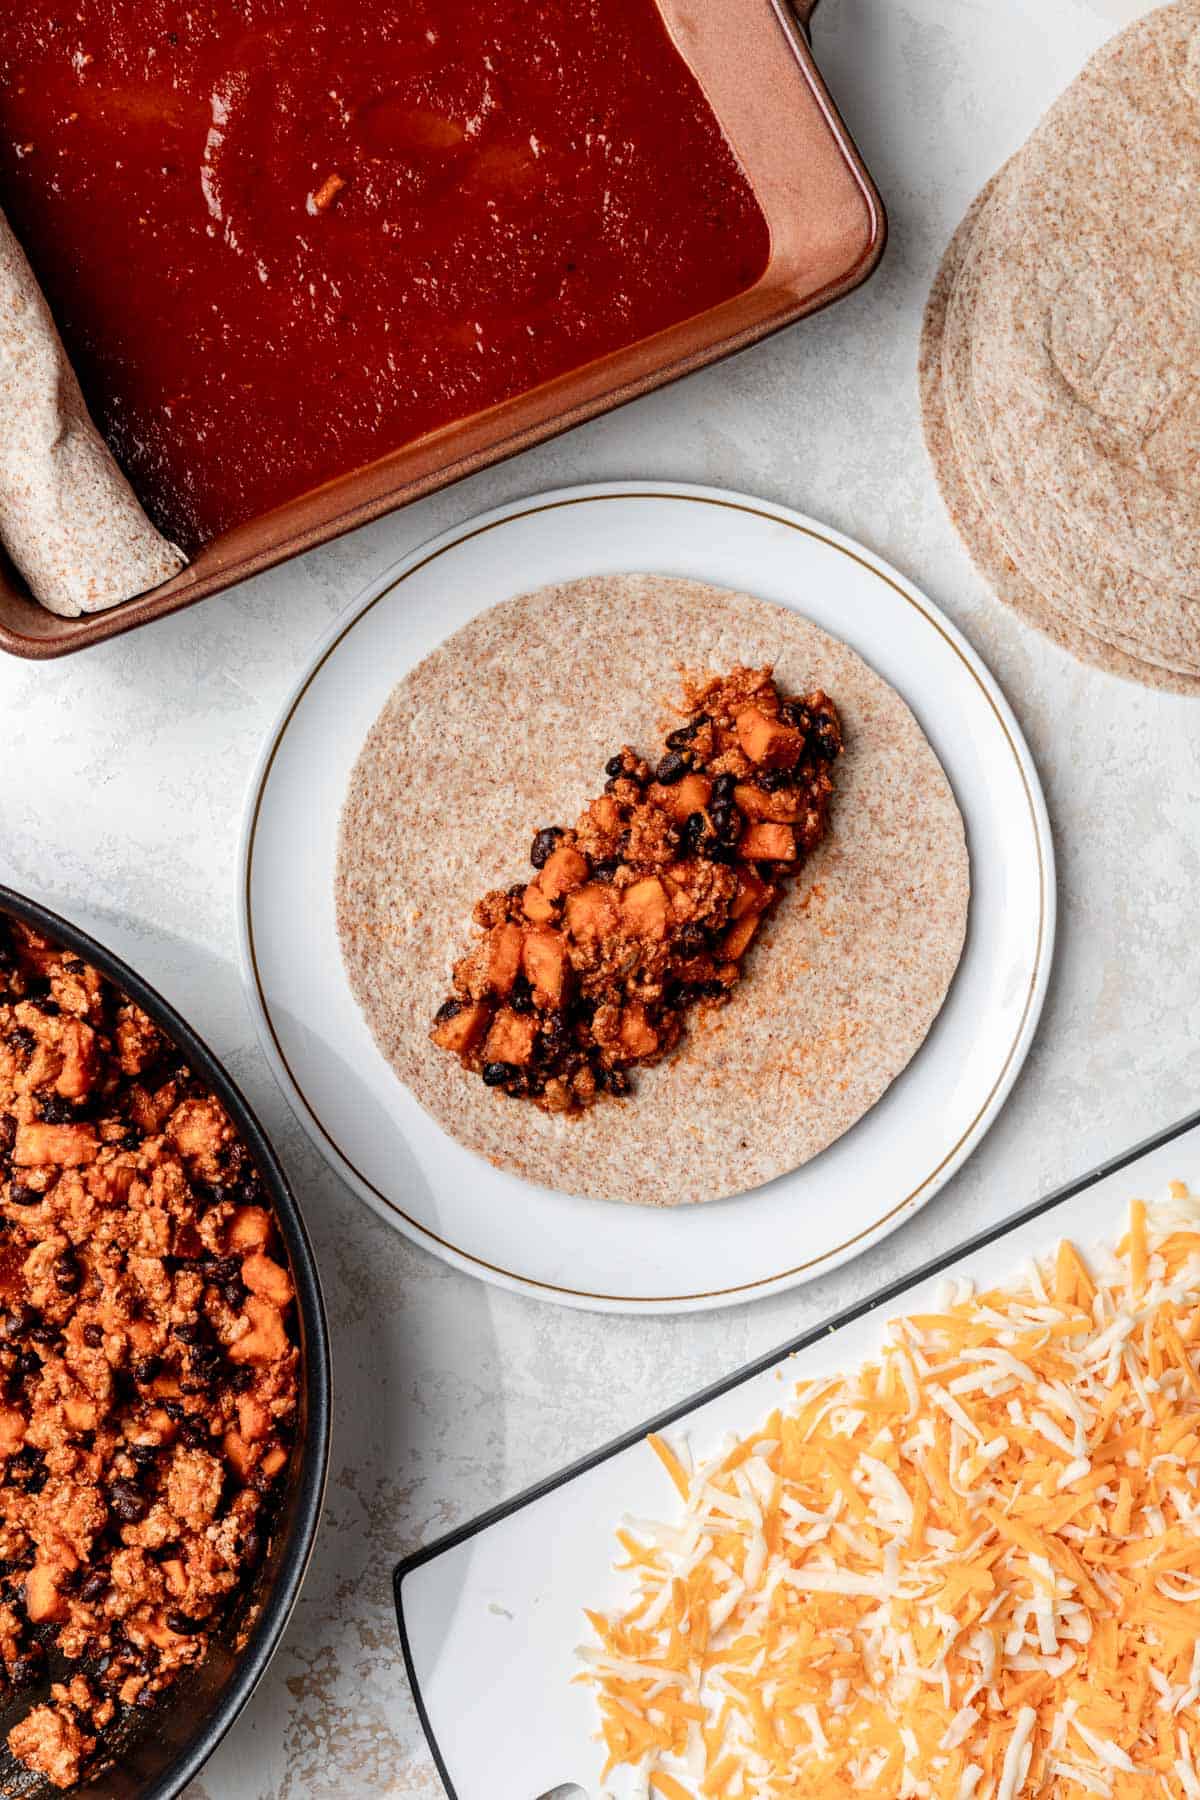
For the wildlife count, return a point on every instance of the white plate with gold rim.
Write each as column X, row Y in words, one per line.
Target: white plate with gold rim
column 585, row 1252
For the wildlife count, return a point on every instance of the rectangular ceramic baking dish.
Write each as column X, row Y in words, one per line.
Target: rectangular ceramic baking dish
column 827, row 228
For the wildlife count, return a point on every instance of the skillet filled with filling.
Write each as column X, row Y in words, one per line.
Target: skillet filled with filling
column 148, row 1364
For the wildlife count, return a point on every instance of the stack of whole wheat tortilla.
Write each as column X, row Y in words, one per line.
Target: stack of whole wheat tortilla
column 1060, row 363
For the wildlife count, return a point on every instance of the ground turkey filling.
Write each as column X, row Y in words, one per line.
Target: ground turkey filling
column 648, row 905
column 148, row 1374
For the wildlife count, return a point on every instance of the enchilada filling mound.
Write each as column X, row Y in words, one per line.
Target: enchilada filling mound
column 646, row 907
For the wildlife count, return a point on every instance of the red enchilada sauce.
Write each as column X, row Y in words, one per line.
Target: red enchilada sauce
column 283, row 239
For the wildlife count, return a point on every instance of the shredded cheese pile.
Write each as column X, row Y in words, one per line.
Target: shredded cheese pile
column 970, row 1570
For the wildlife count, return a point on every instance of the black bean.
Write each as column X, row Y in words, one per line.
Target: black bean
column 188, row 1333
column 605, row 871
column 144, row 1455
column 798, row 716
column 145, row 1369
column 252, row 1548
column 521, row 995
column 93, row 1336
column 8, row 1133
column 27, row 1669
column 449, row 1009
column 22, row 1040
column 42, row 1334
column 183, row 1625
column 241, row 1379
column 233, row 1293
column 543, row 845
column 95, row 1585
column 517, row 1084
column 825, row 743
column 57, row 1111
column 554, row 1038
column 692, row 936
column 615, row 766
column 67, row 1273
column 672, row 768
column 222, row 1268
column 126, row 1502
column 723, row 786
column 193, row 1434
column 676, row 740
column 694, row 828
column 26, row 1363
column 20, row 1195
column 49, row 1009
column 495, row 1074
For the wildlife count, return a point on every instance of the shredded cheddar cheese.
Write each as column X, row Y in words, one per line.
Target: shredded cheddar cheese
column 969, row 1570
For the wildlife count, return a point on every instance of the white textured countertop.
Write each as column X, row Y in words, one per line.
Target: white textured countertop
column 125, row 770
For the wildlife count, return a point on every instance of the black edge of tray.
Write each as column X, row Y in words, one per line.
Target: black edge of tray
column 884, row 1297
column 277, row 1606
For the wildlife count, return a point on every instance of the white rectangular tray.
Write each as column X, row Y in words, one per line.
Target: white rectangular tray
column 490, row 1615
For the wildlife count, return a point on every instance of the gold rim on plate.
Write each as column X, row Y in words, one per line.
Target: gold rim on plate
column 468, row 1256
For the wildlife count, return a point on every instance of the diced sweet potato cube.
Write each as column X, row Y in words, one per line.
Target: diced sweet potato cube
column 80, row 1413
column 591, row 911
column 544, row 960
column 254, row 1418
column 767, row 843
column 606, row 814
column 263, row 1275
column 81, row 1061
column 756, row 804
column 688, row 796
column 752, row 896
column 638, row 1036
column 768, row 741
column 461, row 1033
column 174, row 1575
column 249, row 1228
column 42, row 1598
column 565, row 868
column 12, row 1430
column 159, row 1632
column 239, row 1454
column 738, row 936
column 64, row 1146
column 274, row 1460
column 266, row 1341
column 511, row 1038
column 503, row 957
column 536, row 905
column 645, row 907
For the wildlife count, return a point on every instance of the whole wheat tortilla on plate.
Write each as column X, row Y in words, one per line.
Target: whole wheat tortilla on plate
column 973, row 502
column 506, row 727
